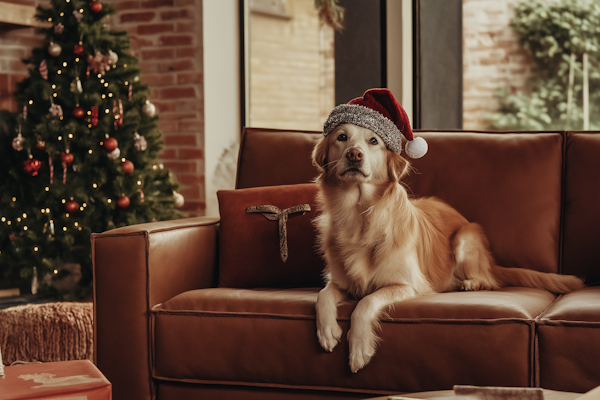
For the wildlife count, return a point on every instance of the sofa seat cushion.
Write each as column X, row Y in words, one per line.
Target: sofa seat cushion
column 567, row 342
column 267, row 337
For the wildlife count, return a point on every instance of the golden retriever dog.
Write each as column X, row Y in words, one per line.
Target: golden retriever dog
column 382, row 247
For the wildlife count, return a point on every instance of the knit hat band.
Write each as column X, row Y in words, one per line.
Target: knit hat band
column 368, row 118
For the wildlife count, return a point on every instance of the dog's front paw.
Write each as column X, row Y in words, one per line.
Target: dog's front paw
column 329, row 336
column 362, row 348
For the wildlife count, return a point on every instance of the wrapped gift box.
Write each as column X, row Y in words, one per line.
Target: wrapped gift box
column 73, row 380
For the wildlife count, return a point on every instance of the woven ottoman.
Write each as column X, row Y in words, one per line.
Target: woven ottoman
column 47, row 332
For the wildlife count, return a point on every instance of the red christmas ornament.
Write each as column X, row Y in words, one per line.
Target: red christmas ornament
column 95, row 6
column 123, row 202
column 78, row 112
column 32, row 166
column 67, row 158
column 78, row 49
column 128, row 167
column 110, row 144
column 71, row 206
column 94, row 113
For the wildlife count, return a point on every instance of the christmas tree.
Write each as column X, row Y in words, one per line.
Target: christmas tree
column 81, row 157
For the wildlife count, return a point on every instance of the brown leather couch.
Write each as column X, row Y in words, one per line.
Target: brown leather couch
column 166, row 329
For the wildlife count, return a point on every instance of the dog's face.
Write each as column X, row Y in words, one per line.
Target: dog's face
column 352, row 153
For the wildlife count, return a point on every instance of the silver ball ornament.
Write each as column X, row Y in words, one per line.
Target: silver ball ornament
column 149, row 109
column 178, row 199
column 116, row 153
column 54, row 49
column 17, row 143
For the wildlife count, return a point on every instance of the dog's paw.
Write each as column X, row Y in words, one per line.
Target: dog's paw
column 362, row 349
column 470, row 285
column 329, row 336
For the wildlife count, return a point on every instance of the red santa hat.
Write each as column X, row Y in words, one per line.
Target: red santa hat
column 379, row 111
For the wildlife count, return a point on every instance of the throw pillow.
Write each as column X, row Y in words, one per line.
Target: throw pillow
column 254, row 251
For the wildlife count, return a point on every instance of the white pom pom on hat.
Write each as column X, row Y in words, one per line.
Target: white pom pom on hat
column 380, row 112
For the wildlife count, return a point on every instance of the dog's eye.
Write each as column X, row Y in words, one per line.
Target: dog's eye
column 373, row 141
column 342, row 137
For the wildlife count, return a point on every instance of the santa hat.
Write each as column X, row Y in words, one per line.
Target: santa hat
column 379, row 111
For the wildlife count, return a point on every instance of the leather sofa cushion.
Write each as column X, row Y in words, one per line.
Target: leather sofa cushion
column 567, row 342
column 267, row 337
column 581, row 249
column 267, row 154
column 508, row 183
column 249, row 250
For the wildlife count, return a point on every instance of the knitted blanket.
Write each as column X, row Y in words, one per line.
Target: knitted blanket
column 47, row 332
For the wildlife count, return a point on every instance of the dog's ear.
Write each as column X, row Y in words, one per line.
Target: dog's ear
column 319, row 154
column 397, row 166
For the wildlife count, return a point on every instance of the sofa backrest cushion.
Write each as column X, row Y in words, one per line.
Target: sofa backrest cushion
column 508, row 183
column 581, row 239
column 271, row 157
column 249, row 250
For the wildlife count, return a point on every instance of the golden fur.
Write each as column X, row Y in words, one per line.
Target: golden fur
column 381, row 247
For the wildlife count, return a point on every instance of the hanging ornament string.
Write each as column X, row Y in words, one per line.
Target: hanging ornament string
column 24, row 113
column 64, row 165
column 130, row 91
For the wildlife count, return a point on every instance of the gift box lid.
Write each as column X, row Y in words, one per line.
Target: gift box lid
column 79, row 379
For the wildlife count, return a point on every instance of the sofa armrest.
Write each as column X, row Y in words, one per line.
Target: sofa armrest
column 135, row 268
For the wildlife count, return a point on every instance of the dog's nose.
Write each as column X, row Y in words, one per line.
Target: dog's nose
column 354, row 154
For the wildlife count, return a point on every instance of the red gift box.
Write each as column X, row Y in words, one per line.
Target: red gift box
column 73, row 380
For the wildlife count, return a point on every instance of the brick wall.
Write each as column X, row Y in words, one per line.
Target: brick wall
column 491, row 59
column 166, row 36
column 15, row 44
